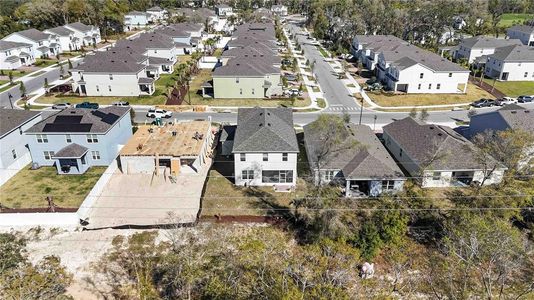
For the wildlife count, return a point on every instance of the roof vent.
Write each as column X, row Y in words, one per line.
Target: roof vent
column 527, row 111
column 261, row 114
column 513, row 112
column 440, row 134
column 261, row 124
column 269, row 124
column 431, row 127
column 268, row 113
column 72, row 111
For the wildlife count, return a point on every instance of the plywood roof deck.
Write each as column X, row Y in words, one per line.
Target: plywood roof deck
column 162, row 142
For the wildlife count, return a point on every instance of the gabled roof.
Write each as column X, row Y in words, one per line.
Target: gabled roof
column 7, row 45
column 114, row 60
column 71, row 151
column 79, row 26
column 478, row 42
column 360, row 155
column 246, row 66
column 60, row 31
column 81, row 120
column 514, row 53
column 33, row 34
column 265, row 130
column 523, row 28
column 13, row 118
column 434, row 147
column 512, row 115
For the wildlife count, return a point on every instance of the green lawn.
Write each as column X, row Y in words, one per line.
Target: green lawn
column 513, row 88
column 508, row 20
column 29, row 188
column 473, row 93
column 73, row 99
column 2, row 82
column 7, row 87
column 323, row 52
column 43, row 63
column 321, row 103
column 16, row 73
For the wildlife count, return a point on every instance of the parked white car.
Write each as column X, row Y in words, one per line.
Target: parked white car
column 505, row 101
column 61, row 106
column 293, row 92
column 158, row 113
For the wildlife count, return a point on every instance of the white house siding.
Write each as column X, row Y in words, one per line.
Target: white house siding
column 98, row 84
column 169, row 54
column 132, row 22
column 16, row 52
column 254, row 161
column 449, row 82
column 15, row 141
column 445, row 179
column 14, row 37
column 517, row 71
column 108, row 144
column 65, row 42
column 472, row 54
column 246, row 87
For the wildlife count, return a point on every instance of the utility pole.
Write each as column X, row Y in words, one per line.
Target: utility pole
column 374, row 123
column 10, row 99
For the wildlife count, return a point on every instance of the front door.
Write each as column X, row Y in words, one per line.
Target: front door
column 504, row 76
column 82, row 88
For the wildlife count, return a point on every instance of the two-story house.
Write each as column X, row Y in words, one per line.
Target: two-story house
column 14, row 153
column 136, row 20
column 76, row 139
column 265, row 148
column 479, row 46
column 186, row 37
column 157, row 13
column 360, row 163
column 437, row 156
column 43, row 44
column 524, row 33
column 14, row 55
column 66, row 38
column 87, row 35
column 279, row 10
column 114, row 73
column 511, row 63
column 223, row 10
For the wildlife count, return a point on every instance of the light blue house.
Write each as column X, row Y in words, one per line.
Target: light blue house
column 76, row 139
column 14, row 154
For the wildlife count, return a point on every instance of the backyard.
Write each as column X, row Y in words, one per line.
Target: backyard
column 513, row 88
column 222, row 197
column 473, row 93
column 29, row 188
column 508, row 20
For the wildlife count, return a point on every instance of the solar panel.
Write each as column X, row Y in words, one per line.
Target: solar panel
column 67, row 127
column 68, row 119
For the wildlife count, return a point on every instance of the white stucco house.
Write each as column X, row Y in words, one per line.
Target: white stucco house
column 76, row 139
column 66, row 37
column 511, row 63
column 359, row 164
column 265, row 148
column 136, row 20
column 43, row 44
column 479, row 46
column 437, row 156
column 14, row 154
column 524, row 33
column 14, row 55
column 86, row 35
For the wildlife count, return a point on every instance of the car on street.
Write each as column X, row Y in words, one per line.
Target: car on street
column 484, row 103
column 158, row 113
column 525, row 99
column 121, row 103
column 505, row 101
column 290, row 77
column 61, row 106
column 89, row 105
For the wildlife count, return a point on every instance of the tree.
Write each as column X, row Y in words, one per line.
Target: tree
column 69, row 63
column 423, row 115
column 22, row 89
column 413, row 113
column 10, row 75
column 46, row 86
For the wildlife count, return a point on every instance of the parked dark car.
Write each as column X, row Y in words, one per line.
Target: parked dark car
column 525, row 99
column 286, row 62
column 484, row 103
column 87, row 105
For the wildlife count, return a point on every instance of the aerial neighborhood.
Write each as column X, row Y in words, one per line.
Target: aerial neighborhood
column 299, row 140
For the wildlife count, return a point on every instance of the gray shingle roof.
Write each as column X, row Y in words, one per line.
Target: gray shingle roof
column 13, row 118
column 118, row 61
column 265, row 130
column 71, row 151
column 33, row 34
column 434, row 147
column 246, row 66
column 405, row 56
column 514, row 53
column 7, row 45
column 60, row 31
column 359, row 156
column 523, row 28
column 81, row 120
column 80, row 26
column 514, row 116
column 487, row 42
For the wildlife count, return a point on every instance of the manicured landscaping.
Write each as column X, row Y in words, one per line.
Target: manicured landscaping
column 513, row 88
column 7, row 87
column 73, row 99
column 321, row 103
column 323, row 52
column 508, row 20
column 29, row 188
column 473, row 93
column 43, row 63
column 316, row 89
column 16, row 73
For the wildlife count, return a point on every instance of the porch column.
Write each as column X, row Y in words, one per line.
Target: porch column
column 465, row 88
column 347, row 188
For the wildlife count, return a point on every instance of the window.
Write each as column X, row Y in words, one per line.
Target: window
column 92, row 138
column 110, row 76
column 237, row 80
column 421, row 75
column 419, row 86
column 388, row 184
column 438, row 86
column 83, row 160
column 247, row 174
column 265, row 156
column 42, row 138
column 277, row 176
column 48, row 155
column 526, row 75
column 450, row 74
column 436, row 176
column 14, row 153
column 95, row 155
column 240, row 91
column 242, row 157
column 284, row 156
column 68, row 138
column 329, row 175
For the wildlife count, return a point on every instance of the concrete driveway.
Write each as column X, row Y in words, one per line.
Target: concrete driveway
column 144, row 200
